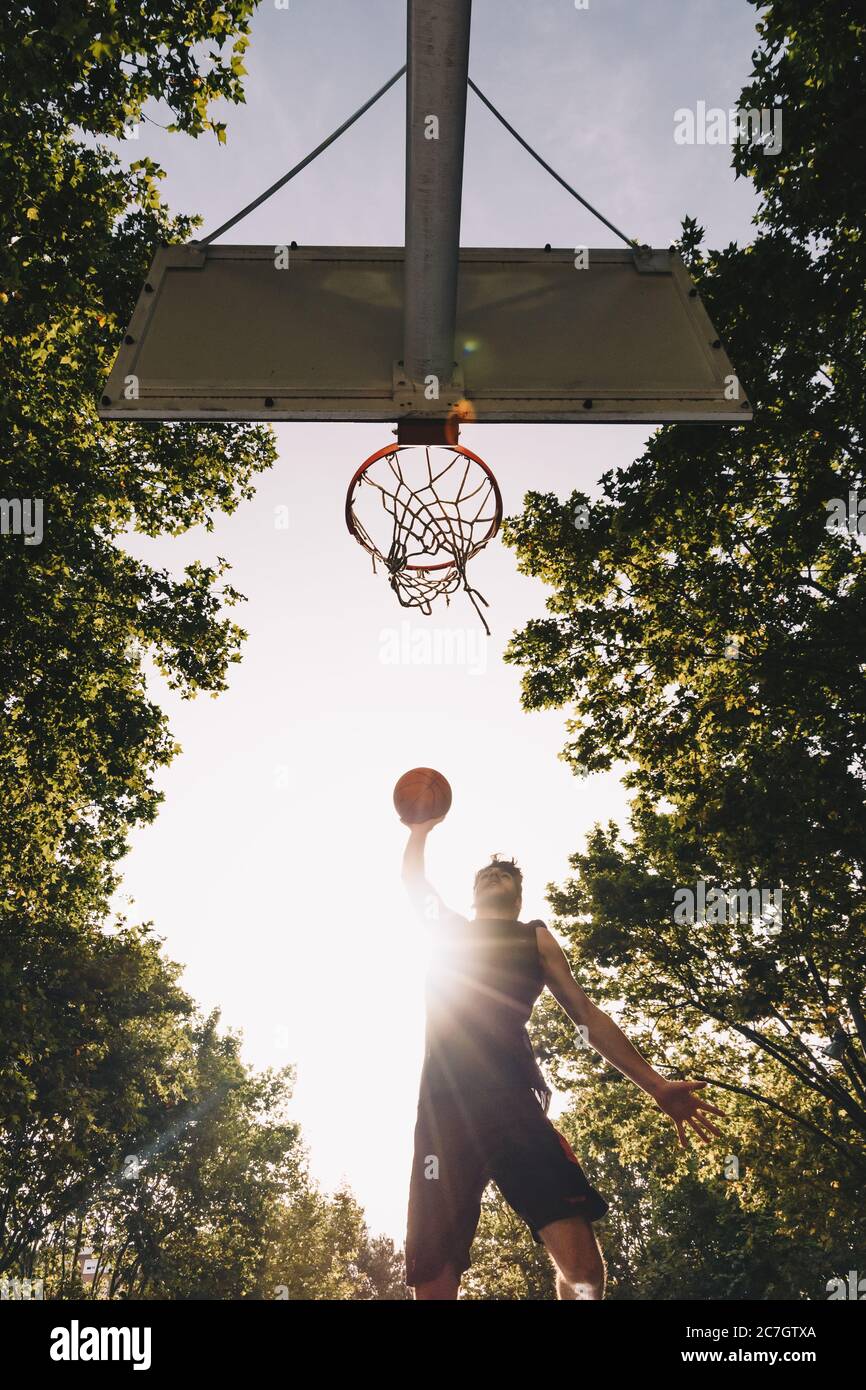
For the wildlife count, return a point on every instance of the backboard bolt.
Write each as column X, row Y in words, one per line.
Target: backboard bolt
column 148, row 287
column 693, row 294
column 587, row 405
column 745, row 406
column 293, row 246
column 269, row 400
column 547, row 246
column 106, row 400
column 716, row 343
column 129, row 338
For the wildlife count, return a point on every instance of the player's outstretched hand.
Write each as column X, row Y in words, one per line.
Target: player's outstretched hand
column 423, row 827
column 678, row 1099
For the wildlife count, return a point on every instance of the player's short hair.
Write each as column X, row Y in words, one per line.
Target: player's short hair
column 507, row 866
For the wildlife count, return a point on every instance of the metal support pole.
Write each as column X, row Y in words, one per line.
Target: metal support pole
column 436, row 87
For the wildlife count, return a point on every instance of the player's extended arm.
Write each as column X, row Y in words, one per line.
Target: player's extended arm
column 675, row 1098
column 424, row 897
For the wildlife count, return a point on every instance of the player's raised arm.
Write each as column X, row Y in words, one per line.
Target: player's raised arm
column 425, row 899
column 422, row 798
column 676, row 1098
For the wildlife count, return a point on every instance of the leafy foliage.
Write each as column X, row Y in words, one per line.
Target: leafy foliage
column 707, row 626
column 95, row 66
column 706, row 629
column 130, row 1126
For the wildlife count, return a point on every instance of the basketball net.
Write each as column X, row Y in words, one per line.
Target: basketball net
column 423, row 512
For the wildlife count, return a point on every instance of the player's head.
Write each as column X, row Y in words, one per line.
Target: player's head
column 499, row 888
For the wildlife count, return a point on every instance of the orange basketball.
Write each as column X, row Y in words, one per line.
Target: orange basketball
column 422, row 794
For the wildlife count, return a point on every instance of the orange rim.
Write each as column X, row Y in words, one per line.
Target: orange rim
column 395, row 449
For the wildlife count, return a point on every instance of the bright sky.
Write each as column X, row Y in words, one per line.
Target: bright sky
column 273, row 869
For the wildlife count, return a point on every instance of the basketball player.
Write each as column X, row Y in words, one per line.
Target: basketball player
column 482, row 1109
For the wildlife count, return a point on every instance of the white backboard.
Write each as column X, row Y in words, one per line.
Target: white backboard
column 315, row 333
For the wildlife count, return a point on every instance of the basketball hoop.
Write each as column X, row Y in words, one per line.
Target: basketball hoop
column 424, row 512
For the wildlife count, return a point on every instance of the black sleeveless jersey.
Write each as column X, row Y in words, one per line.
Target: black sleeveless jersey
column 484, row 978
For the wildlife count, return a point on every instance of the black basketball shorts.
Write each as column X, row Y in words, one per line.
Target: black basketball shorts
column 463, row 1142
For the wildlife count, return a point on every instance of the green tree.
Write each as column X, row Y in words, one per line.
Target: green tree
column 185, row 1212
column 507, row 1265
column 767, row 1212
column 129, row 1126
column 706, row 627
column 80, row 739
column 322, row 1249
column 173, row 1164
column 738, row 1001
column 95, row 67
column 91, row 1052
